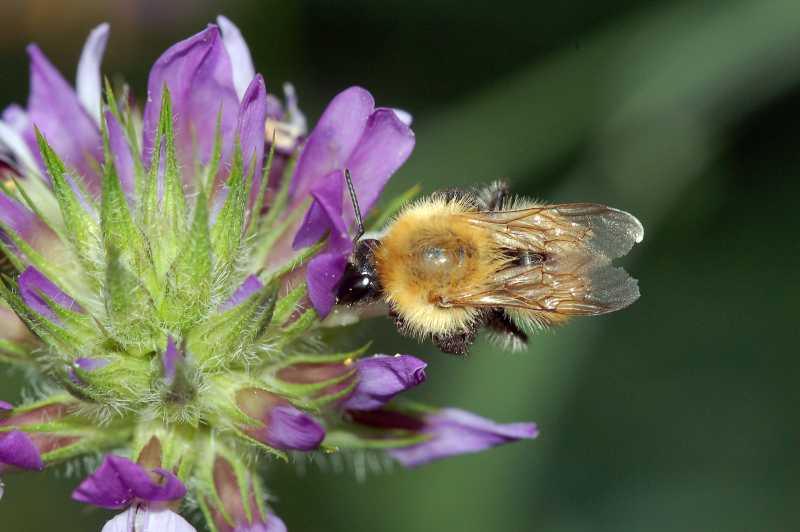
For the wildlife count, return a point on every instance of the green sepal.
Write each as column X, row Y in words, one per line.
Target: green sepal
column 303, row 256
column 221, row 340
column 103, row 384
column 125, row 119
column 77, row 323
column 82, row 229
column 270, row 234
column 216, row 156
column 11, row 264
column 301, row 391
column 227, row 233
column 49, row 332
column 288, row 304
column 116, row 222
column 178, row 443
column 256, row 219
column 301, row 325
column 128, row 304
column 55, row 274
column 17, row 353
column 277, row 453
column 317, row 403
column 347, row 358
column 188, row 283
column 340, row 439
column 98, row 441
column 245, row 478
column 164, row 216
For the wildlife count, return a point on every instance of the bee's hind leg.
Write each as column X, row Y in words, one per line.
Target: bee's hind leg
column 456, row 343
column 505, row 332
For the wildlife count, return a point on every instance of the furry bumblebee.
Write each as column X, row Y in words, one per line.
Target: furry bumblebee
column 460, row 261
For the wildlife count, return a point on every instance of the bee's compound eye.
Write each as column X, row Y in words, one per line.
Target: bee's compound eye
column 357, row 289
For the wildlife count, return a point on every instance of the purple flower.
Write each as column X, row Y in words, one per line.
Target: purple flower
column 17, row 449
column 381, row 377
column 372, row 143
column 140, row 517
column 69, row 120
column 32, row 285
column 284, row 426
column 449, row 432
column 119, row 482
column 200, row 76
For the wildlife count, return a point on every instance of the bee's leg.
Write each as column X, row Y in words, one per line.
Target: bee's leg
column 457, row 343
column 493, row 196
column 505, row 331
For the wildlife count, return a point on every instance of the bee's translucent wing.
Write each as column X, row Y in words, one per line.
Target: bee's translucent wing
column 572, row 245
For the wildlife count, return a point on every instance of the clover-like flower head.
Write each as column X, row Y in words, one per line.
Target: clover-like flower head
column 168, row 270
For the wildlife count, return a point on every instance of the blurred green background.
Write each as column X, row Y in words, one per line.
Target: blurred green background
column 678, row 414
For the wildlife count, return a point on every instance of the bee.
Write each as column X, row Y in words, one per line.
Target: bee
column 460, row 261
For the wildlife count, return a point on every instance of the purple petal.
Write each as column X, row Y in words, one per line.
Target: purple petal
column 325, row 213
column 251, row 127
column 88, row 82
column 22, row 221
column 170, row 361
column 18, row 450
column 31, row 282
column 297, row 120
column 384, row 147
column 453, row 432
column 326, row 269
column 121, row 154
column 54, row 108
column 274, row 524
column 118, row 482
column 17, row 138
column 199, row 76
column 250, row 286
column 333, row 140
column 323, row 274
column 381, row 377
column 404, row 116
column 241, row 61
column 290, row 429
column 141, row 517
column 6, row 406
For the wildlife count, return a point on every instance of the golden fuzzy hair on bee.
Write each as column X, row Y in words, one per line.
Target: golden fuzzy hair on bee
column 429, row 252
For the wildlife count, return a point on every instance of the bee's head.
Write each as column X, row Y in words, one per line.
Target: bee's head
column 360, row 283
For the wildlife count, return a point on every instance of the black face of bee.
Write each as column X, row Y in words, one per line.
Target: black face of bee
column 360, row 282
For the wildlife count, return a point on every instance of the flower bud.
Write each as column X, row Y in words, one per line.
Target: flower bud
column 235, row 504
column 283, row 426
column 32, row 435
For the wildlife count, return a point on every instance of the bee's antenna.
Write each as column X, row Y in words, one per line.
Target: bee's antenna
column 356, row 208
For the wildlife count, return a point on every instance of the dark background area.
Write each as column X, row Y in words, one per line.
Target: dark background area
column 678, row 414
